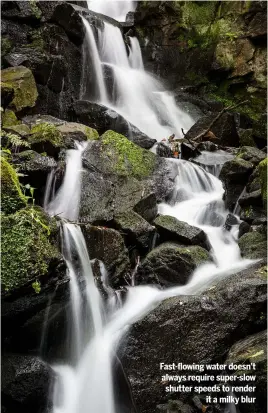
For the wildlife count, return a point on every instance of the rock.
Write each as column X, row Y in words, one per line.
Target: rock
column 234, row 175
column 253, row 245
column 253, row 213
column 253, row 198
column 26, row 383
column 28, row 247
column 102, row 118
column 252, row 349
column 178, row 330
column 254, row 183
column 207, row 146
column 171, row 264
column 260, row 130
column 136, row 230
column 174, row 406
column 188, row 151
column 164, row 150
column 246, row 137
column 230, row 221
column 171, row 229
column 107, row 245
column 33, row 120
column 263, row 180
column 9, row 119
column 45, row 137
column 7, row 94
column 21, row 129
column 121, row 177
column 72, row 131
column 258, row 26
column 224, row 129
column 244, row 227
column 67, row 16
column 147, row 207
column 253, row 155
column 12, row 197
column 23, row 11
column 22, row 81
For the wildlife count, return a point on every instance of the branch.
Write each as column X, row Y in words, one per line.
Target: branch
column 186, row 137
column 217, row 117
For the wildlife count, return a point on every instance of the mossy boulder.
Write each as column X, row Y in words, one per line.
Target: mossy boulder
column 263, row 180
column 171, row 229
column 246, row 137
column 20, row 129
column 125, row 157
column 253, row 245
column 77, row 131
column 171, row 264
column 28, row 249
column 12, row 197
column 45, row 137
column 22, row 81
column 7, row 94
column 253, row 155
column 9, row 118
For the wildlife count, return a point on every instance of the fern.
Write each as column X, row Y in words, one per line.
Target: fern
column 15, row 140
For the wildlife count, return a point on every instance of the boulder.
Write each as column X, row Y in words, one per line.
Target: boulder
column 252, row 349
column 171, row 229
column 230, row 221
column 67, row 16
column 7, row 94
column 253, row 245
column 244, row 227
column 107, row 245
column 29, row 11
column 147, row 207
column 180, row 329
column 246, row 137
column 21, row 129
column 252, row 198
column 171, row 264
column 188, row 150
column 253, row 213
column 260, row 130
column 263, row 180
column 102, row 118
column 28, row 247
column 121, row 177
column 22, row 81
column 164, row 150
column 224, row 129
column 234, row 175
column 9, row 119
column 26, row 383
column 136, row 230
column 253, row 155
column 12, row 197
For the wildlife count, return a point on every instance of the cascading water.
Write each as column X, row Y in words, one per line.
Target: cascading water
column 118, row 10
column 138, row 96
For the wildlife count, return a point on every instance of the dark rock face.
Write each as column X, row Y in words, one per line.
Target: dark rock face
column 171, row 264
column 255, row 346
column 136, row 230
column 235, row 174
column 253, row 198
column 253, row 245
column 107, row 245
column 147, row 207
column 224, row 129
column 171, row 229
column 102, row 118
column 26, row 383
column 177, row 330
column 253, row 155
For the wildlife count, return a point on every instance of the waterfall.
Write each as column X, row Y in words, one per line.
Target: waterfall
column 118, row 10
column 138, row 96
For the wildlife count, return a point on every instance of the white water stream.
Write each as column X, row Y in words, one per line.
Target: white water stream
column 85, row 384
column 137, row 95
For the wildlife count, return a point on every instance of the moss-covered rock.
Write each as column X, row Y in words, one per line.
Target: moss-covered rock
column 27, row 251
column 127, row 158
column 22, row 81
column 253, row 155
column 78, row 131
column 263, row 180
column 7, row 93
column 20, row 129
column 171, row 264
column 45, row 137
column 246, row 138
column 9, row 118
column 12, row 197
column 253, row 245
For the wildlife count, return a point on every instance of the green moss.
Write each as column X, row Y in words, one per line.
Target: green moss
column 45, row 132
column 12, row 197
column 263, row 179
column 37, row 40
column 246, row 138
column 9, row 118
column 21, row 129
column 6, row 45
column 253, row 245
column 196, row 253
column 91, row 133
column 35, row 10
column 22, row 81
column 197, row 13
column 130, row 159
column 26, row 248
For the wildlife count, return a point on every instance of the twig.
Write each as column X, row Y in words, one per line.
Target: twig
column 217, row 117
column 186, row 137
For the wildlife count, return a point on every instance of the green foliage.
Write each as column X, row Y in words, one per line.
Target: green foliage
column 35, row 10
column 26, row 247
column 14, row 140
column 12, row 197
column 9, row 118
column 36, row 286
column 130, row 159
column 45, row 132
